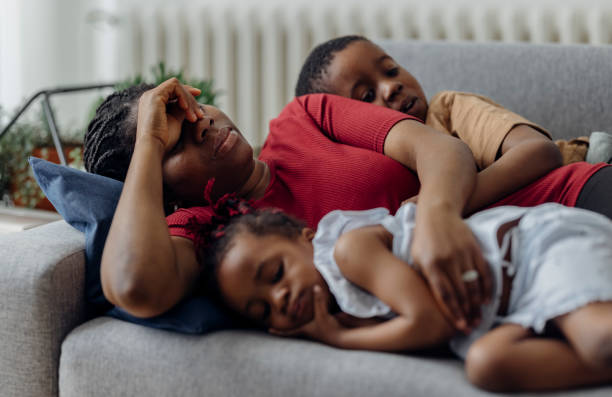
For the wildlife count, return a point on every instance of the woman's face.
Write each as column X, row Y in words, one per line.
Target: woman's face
column 363, row 71
column 270, row 279
column 211, row 147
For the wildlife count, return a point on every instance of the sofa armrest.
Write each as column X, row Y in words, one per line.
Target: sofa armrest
column 42, row 275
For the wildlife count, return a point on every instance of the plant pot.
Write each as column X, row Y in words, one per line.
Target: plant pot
column 25, row 191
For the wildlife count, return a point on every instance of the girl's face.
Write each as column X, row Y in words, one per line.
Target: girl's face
column 269, row 279
column 211, row 147
column 363, row 71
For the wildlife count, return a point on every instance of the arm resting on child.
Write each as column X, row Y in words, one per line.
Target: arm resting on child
column 443, row 246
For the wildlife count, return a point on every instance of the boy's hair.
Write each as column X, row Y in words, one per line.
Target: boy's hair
column 110, row 137
column 310, row 78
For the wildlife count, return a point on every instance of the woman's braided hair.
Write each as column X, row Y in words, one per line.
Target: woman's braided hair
column 315, row 65
column 110, row 137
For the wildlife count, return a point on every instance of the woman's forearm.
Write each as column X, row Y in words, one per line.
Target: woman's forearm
column 139, row 271
column 444, row 164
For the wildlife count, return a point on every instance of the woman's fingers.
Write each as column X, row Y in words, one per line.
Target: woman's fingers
column 485, row 279
column 444, row 291
column 173, row 89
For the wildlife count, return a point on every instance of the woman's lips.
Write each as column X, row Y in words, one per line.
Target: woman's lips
column 225, row 140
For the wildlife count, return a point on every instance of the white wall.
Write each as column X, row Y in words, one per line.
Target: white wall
column 45, row 44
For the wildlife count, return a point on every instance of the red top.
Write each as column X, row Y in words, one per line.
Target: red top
column 325, row 152
column 562, row 185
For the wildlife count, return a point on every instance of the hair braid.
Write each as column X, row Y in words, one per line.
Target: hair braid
column 110, row 137
column 311, row 74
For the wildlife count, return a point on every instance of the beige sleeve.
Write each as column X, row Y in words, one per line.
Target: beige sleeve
column 478, row 121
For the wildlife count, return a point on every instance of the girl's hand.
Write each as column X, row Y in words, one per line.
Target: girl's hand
column 162, row 110
column 324, row 327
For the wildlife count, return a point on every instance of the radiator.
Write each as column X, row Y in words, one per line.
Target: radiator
column 253, row 50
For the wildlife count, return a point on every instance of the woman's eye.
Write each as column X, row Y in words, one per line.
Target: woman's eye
column 279, row 273
column 393, row 72
column 368, row 96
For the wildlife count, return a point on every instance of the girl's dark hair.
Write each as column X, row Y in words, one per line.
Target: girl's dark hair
column 311, row 75
column 232, row 216
column 110, row 137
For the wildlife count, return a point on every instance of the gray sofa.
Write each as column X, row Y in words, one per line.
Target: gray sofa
column 48, row 347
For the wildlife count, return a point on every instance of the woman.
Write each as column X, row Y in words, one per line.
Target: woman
column 322, row 153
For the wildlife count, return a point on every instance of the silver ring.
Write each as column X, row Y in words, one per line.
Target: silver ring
column 469, row 276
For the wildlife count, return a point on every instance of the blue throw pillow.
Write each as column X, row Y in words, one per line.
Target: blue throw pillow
column 87, row 202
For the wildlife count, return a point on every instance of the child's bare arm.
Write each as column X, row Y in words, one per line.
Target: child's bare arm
column 365, row 258
column 525, row 155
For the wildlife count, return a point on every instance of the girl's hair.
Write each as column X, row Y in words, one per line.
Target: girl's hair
column 311, row 75
column 232, row 216
column 110, row 137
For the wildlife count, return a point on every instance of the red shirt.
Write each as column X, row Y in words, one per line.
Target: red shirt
column 562, row 185
column 325, row 152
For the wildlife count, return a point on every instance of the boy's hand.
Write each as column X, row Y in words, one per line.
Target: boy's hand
column 447, row 254
column 324, row 327
column 162, row 110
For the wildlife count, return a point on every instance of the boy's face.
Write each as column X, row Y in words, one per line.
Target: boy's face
column 211, row 147
column 269, row 279
column 363, row 71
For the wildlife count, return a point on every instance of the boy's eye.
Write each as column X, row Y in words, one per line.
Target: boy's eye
column 279, row 273
column 368, row 96
column 393, row 72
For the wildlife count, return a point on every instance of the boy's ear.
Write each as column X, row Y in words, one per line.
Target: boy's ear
column 308, row 233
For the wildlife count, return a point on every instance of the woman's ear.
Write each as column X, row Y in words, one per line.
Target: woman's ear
column 308, row 233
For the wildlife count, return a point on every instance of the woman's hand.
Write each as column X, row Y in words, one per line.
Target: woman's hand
column 324, row 327
column 447, row 254
column 162, row 110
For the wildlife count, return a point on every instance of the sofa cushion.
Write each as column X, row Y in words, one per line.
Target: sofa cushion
column 87, row 202
column 105, row 357
column 560, row 87
column 41, row 300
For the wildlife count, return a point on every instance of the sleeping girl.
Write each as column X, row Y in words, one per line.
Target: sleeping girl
column 351, row 284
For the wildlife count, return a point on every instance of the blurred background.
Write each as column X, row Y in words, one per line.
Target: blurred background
column 246, row 54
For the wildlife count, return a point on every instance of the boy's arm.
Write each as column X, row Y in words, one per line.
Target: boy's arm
column 364, row 257
column 525, row 156
column 510, row 150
